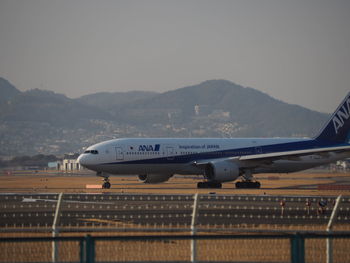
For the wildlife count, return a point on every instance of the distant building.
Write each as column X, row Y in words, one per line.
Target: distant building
column 202, row 110
column 196, row 109
column 54, row 165
column 68, row 164
column 220, row 114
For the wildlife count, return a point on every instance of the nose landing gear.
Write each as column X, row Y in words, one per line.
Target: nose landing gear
column 106, row 184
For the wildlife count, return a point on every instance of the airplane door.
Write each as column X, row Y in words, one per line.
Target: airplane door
column 170, row 152
column 119, row 153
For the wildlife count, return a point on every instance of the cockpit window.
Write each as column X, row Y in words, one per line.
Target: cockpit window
column 91, row 151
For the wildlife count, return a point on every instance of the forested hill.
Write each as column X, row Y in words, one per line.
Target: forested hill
column 44, row 122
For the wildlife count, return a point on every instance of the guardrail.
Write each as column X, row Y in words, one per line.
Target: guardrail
column 295, row 248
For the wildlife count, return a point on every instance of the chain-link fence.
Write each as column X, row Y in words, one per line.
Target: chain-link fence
column 85, row 212
column 185, row 248
column 59, row 215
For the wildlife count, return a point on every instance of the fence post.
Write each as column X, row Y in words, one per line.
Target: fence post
column 329, row 241
column 89, row 249
column 54, row 255
column 82, row 251
column 193, row 228
column 298, row 249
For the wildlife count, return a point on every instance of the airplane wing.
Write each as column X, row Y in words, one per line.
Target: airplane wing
column 293, row 154
column 268, row 158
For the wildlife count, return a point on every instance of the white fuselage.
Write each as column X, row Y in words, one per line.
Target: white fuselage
column 176, row 156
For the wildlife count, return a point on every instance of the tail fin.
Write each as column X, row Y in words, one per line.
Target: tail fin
column 337, row 129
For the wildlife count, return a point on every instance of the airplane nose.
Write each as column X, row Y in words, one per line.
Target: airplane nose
column 82, row 159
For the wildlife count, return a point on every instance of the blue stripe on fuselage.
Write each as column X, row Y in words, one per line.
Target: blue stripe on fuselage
column 283, row 147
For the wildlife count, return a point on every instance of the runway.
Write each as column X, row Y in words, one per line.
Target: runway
column 143, row 211
column 303, row 184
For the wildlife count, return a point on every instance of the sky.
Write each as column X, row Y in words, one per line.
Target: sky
column 296, row 51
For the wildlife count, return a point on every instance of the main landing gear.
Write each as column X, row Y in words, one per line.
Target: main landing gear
column 248, row 182
column 209, row 184
column 243, row 184
column 106, row 184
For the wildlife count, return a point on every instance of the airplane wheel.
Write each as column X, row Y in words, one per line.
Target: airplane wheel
column 248, row 185
column 201, row 185
column 215, row 185
column 209, row 185
column 106, row 185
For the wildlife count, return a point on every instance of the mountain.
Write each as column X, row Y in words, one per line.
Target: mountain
column 220, row 101
column 48, row 107
column 109, row 100
column 7, row 91
column 44, row 122
column 40, row 122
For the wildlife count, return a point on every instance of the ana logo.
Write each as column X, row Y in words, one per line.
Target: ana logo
column 149, row 148
column 341, row 116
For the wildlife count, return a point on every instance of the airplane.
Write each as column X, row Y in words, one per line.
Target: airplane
column 220, row 160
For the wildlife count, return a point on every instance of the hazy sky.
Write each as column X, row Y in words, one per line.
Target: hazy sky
column 296, row 51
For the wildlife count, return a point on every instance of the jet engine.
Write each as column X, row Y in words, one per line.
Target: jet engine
column 154, row 178
column 221, row 171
